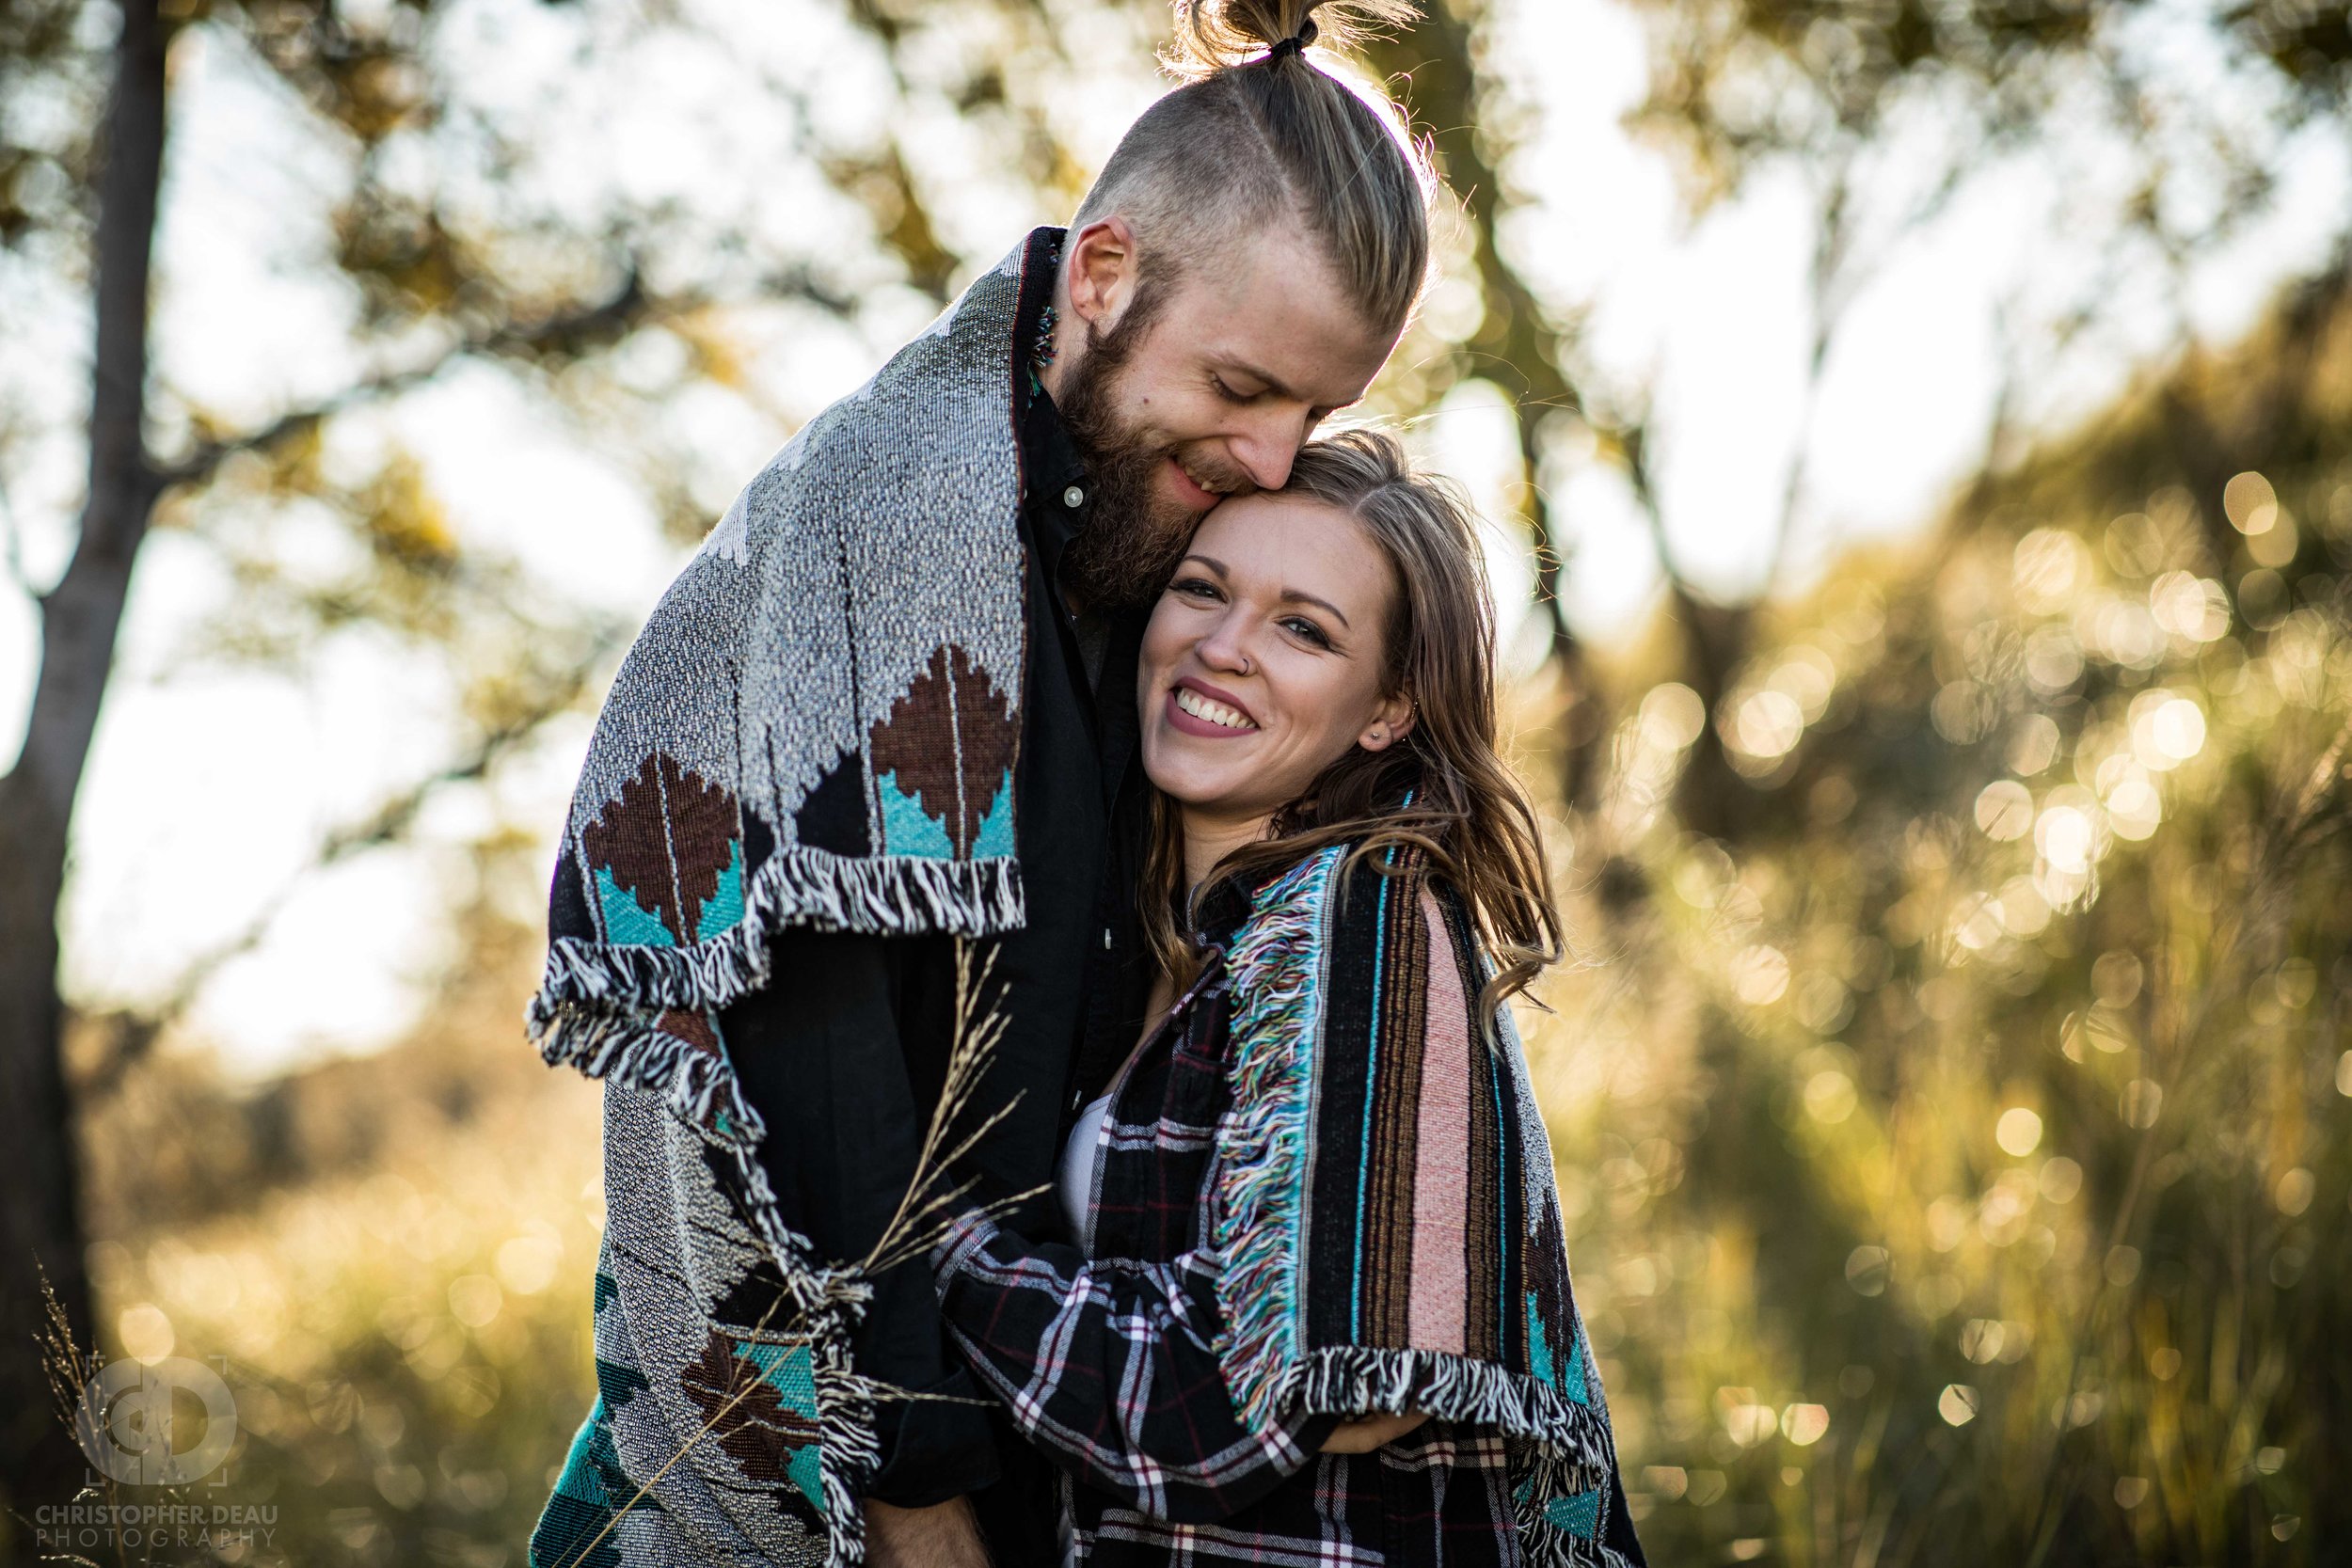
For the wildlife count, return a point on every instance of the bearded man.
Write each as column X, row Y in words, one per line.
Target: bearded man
column 889, row 706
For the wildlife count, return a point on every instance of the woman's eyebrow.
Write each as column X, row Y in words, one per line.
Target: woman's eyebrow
column 1289, row 596
column 1292, row 595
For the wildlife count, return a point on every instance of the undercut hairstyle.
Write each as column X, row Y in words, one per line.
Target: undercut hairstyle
column 1259, row 138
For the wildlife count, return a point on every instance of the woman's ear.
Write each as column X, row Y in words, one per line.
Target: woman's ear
column 1391, row 722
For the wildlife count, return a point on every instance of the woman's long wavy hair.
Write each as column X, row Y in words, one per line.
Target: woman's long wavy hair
column 1442, row 788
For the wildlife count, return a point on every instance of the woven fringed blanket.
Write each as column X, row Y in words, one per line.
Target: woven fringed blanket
column 1384, row 1211
column 817, row 729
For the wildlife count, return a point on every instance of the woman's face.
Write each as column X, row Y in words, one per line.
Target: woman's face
column 1263, row 661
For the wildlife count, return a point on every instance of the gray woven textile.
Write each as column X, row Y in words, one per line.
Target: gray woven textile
column 817, row 729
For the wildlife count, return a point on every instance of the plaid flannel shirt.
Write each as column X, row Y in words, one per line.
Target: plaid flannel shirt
column 1107, row 1360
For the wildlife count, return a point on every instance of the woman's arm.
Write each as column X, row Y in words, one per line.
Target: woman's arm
column 1373, row 1431
column 1112, row 1372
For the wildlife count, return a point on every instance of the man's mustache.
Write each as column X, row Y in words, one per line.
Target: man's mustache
column 1215, row 473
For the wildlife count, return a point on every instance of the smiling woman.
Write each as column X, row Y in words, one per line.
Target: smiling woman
column 1266, row 658
column 1345, row 623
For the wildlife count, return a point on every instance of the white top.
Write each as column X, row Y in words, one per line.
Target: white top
column 1077, row 1167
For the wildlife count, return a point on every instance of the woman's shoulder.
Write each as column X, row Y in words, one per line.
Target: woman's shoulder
column 1344, row 908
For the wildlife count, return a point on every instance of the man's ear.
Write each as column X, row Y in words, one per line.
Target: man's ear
column 1391, row 722
column 1101, row 271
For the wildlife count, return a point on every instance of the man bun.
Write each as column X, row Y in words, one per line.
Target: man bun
column 1223, row 35
column 1259, row 138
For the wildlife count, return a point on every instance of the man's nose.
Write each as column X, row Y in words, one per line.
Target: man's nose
column 1266, row 447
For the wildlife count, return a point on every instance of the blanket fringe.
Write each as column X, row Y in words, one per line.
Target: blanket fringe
column 902, row 895
column 697, row 1086
column 1257, row 1199
column 826, row 1303
column 1356, row 1380
column 797, row 887
column 598, row 1004
column 850, row 1451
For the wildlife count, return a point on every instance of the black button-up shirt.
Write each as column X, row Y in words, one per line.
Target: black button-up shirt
column 844, row 1052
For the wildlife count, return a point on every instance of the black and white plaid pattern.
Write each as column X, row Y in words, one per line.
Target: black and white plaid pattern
column 1108, row 1364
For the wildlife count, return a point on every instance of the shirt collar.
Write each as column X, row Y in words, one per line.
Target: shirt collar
column 1054, row 477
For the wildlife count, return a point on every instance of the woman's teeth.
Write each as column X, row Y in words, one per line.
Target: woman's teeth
column 1215, row 712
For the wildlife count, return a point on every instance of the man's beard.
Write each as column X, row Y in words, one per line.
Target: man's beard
column 1134, row 535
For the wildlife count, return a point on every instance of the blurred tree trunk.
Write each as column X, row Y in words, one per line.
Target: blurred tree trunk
column 1516, row 344
column 39, row 1215
column 1710, row 798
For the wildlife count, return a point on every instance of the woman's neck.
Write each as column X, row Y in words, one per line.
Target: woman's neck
column 1209, row 838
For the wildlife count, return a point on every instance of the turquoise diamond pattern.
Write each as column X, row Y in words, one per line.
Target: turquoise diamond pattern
column 1576, row 1516
column 995, row 836
column 792, row 1372
column 907, row 828
column 725, row 906
column 1539, row 1345
column 627, row 922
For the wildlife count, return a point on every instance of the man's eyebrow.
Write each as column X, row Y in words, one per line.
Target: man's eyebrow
column 1273, row 382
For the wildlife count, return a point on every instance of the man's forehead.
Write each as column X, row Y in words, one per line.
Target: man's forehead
column 1276, row 313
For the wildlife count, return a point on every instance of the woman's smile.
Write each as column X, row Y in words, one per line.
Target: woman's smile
column 1199, row 708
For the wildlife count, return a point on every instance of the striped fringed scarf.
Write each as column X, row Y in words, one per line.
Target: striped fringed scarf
column 1384, row 1211
column 817, row 729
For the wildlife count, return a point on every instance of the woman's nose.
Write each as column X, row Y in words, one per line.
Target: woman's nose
column 1225, row 647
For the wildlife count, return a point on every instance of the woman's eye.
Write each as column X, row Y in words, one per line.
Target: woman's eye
column 1300, row 627
column 1198, row 588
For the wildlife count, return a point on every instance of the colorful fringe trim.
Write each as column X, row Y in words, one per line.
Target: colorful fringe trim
column 1259, row 1205
column 796, row 887
column 1263, row 1142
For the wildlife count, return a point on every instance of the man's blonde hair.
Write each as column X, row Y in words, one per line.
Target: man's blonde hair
column 1259, row 137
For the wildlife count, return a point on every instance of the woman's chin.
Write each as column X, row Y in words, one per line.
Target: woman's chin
column 1216, row 792
column 1188, row 788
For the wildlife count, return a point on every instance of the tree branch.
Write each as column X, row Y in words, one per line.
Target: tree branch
column 627, row 310
column 1437, row 62
column 1830, row 238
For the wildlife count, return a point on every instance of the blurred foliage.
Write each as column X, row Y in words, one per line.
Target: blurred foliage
column 1958, row 1140
column 391, row 1257
column 1741, row 80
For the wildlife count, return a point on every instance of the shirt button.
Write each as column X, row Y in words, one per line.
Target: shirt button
column 1073, row 497
column 1107, row 939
